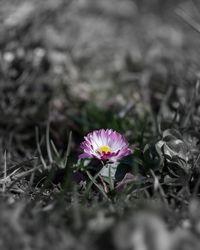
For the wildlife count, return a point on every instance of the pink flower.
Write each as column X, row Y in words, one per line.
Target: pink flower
column 105, row 145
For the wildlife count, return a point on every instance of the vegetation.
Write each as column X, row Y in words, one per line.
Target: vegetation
column 70, row 67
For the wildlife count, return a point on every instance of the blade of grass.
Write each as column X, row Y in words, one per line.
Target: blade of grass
column 39, row 149
column 54, row 149
column 181, row 13
column 91, row 183
column 110, row 179
column 68, row 148
column 99, row 187
column 157, row 186
column 50, row 157
column 5, row 171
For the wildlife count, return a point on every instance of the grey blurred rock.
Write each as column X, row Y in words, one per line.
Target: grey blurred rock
column 21, row 15
column 183, row 240
column 144, row 231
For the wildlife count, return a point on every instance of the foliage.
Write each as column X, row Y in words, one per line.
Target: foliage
column 70, row 67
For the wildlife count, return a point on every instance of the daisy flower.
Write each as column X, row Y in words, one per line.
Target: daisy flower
column 105, row 145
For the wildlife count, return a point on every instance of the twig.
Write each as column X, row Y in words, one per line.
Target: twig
column 19, row 165
column 8, row 177
column 178, row 198
column 19, row 176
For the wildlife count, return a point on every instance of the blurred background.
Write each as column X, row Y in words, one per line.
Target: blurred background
column 57, row 55
column 74, row 64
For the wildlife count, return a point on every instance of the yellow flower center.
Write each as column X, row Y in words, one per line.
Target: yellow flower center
column 105, row 149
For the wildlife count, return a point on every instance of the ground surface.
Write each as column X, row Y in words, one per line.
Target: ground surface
column 69, row 67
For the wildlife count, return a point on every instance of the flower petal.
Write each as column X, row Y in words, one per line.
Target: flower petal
column 117, row 143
